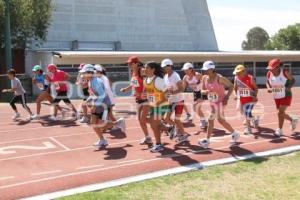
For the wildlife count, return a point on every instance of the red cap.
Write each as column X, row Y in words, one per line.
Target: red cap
column 51, row 67
column 274, row 63
column 81, row 66
column 133, row 59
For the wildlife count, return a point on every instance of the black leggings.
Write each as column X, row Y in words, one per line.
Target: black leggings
column 21, row 99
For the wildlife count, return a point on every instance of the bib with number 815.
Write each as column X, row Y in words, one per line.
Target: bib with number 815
column 245, row 93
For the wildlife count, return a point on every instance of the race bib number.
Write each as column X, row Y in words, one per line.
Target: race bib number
column 57, row 86
column 245, row 93
column 151, row 98
column 213, row 97
column 40, row 86
column 278, row 92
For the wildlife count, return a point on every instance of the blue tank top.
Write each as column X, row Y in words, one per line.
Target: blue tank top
column 41, row 82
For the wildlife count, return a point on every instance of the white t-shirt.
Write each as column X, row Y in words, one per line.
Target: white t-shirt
column 108, row 89
column 171, row 82
column 159, row 83
column 16, row 83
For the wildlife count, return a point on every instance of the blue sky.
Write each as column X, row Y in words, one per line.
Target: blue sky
column 233, row 18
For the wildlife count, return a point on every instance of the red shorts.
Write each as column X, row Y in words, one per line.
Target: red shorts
column 286, row 101
column 177, row 107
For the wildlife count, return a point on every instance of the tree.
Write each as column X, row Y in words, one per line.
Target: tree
column 257, row 37
column 286, row 39
column 30, row 20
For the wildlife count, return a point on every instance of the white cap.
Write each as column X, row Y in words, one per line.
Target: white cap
column 208, row 65
column 187, row 66
column 98, row 68
column 166, row 62
column 87, row 68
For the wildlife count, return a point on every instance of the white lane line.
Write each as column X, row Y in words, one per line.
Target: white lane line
column 60, row 144
column 46, row 173
column 129, row 161
column 88, row 167
column 6, row 178
column 297, row 147
column 89, row 147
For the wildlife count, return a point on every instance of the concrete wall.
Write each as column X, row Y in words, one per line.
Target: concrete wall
column 151, row 25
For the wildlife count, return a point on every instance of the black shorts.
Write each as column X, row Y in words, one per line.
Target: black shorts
column 199, row 96
column 141, row 101
column 86, row 93
column 102, row 114
column 62, row 96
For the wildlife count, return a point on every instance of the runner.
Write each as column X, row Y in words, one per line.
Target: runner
column 83, row 85
column 156, row 90
column 214, row 87
column 100, row 73
column 99, row 103
column 19, row 95
column 245, row 86
column 193, row 79
column 59, row 78
column 175, row 88
column 39, row 80
column 137, row 85
column 280, row 82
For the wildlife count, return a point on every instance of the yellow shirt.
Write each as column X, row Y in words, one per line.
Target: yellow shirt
column 155, row 96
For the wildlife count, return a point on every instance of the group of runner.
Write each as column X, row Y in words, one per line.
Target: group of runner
column 158, row 92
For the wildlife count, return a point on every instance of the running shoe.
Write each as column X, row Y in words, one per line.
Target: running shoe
column 101, row 143
column 255, row 122
column 84, row 120
column 120, row 123
column 188, row 118
column 278, row 132
column 203, row 124
column 234, row 137
column 172, row 132
column 247, row 131
column 294, row 124
column 157, row 148
column 53, row 118
column 204, row 143
column 182, row 138
column 16, row 116
column 35, row 117
column 146, row 140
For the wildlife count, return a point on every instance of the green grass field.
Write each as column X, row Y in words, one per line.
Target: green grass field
column 261, row 178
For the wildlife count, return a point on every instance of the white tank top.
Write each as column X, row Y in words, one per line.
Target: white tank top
column 193, row 83
column 278, row 84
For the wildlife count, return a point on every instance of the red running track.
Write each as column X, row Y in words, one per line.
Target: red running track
column 41, row 157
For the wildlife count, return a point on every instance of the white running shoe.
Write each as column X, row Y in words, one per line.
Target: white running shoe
column 278, row 132
column 121, row 124
column 16, row 116
column 100, row 143
column 234, row 137
column 53, row 118
column 157, row 148
column 84, row 120
column 294, row 124
column 255, row 122
column 247, row 131
column 188, row 118
column 146, row 140
column 182, row 138
column 204, row 143
column 35, row 117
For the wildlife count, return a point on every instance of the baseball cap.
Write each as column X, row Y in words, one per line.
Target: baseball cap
column 187, row 66
column 238, row 69
column 133, row 59
column 208, row 65
column 36, row 68
column 87, row 68
column 274, row 63
column 166, row 62
column 98, row 68
column 51, row 67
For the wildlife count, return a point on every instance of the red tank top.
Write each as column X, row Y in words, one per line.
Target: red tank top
column 245, row 88
column 137, row 84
